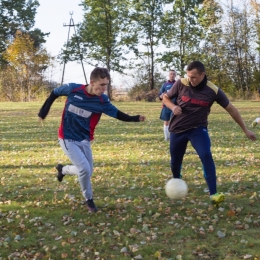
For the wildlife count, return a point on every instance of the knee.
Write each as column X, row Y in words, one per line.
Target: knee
column 85, row 171
column 206, row 156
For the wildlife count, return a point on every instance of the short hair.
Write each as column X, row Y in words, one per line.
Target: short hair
column 196, row 65
column 99, row 73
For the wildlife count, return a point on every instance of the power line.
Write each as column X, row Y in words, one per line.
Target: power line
column 71, row 24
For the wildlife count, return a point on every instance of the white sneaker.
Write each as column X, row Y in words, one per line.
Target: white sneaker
column 255, row 122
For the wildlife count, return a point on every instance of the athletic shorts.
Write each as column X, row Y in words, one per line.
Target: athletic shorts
column 166, row 114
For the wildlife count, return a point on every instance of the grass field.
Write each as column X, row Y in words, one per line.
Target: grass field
column 41, row 218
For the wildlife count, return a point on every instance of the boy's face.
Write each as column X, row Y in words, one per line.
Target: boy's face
column 172, row 75
column 195, row 77
column 98, row 87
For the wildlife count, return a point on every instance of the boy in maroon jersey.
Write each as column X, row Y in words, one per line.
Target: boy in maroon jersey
column 166, row 112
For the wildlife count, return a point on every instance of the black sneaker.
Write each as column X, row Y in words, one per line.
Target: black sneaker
column 91, row 205
column 59, row 174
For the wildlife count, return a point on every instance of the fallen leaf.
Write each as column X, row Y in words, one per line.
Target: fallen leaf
column 231, row 213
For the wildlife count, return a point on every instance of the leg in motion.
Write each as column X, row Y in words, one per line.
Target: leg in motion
column 201, row 142
column 178, row 145
column 80, row 154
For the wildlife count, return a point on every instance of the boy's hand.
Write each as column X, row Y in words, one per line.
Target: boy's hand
column 251, row 135
column 142, row 118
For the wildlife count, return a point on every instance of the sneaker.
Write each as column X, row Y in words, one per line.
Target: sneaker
column 255, row 122
column 91, row 205
column 59, row 174
column 217, row 198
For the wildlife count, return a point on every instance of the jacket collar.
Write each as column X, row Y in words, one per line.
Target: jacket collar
column 201, row 85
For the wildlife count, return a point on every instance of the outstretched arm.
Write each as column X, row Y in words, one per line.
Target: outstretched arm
column 238, row 119
column 125, row 117
column 46, row 106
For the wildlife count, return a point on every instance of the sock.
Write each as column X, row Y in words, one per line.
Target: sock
column 166, row 132
column 70, row 170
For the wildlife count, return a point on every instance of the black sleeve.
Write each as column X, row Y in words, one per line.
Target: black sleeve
column 47, row 105
column 124, row 117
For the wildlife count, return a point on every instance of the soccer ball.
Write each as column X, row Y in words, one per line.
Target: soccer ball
column 176, row 188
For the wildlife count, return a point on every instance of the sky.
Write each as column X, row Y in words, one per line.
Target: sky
column 51, row 17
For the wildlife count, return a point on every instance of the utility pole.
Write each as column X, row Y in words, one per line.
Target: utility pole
column 71, row 24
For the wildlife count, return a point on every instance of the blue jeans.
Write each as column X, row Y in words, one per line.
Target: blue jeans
column 80, row 154
column 200, row 141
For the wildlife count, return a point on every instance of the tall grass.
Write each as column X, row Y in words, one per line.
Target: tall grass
column 43, row 219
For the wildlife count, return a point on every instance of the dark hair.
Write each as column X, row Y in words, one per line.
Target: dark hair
column 196, row 65
column 99, row 73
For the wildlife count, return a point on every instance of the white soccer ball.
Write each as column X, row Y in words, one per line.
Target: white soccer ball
column 176, row 188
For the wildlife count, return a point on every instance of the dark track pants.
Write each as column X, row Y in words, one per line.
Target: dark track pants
column 200, row 141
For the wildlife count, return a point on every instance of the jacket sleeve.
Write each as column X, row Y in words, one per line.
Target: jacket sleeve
column 124, row 117
column 47, row 105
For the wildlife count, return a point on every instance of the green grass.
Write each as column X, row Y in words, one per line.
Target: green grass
column 41, row 218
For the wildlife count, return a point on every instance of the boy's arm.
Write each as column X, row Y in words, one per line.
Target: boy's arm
column 47, row 105
column 162, row 90
column 124, row 117
column 238, row 119
column 63, row 90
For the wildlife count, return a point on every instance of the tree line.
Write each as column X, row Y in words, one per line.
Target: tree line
column 140, row 36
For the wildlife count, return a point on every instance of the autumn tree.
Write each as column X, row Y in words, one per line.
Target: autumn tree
column 18, row 15
column 25, row 66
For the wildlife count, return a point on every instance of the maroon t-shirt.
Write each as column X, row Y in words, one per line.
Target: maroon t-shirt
column 195, row 103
